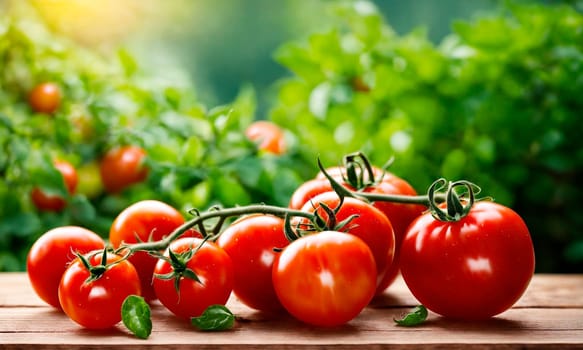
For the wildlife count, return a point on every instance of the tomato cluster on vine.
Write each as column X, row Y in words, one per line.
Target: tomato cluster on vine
column 342, row 241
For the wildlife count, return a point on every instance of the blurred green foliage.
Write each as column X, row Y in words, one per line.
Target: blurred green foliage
column 197, row 157
column 497, row 102
column 222, row 43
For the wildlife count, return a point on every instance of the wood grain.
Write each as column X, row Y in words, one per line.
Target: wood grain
column 549, row 316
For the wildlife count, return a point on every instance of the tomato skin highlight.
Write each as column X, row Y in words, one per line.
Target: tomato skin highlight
column 214, row 268
column 97, row 304
column 268, row 135
column 370, row 225
column 325, row 279
column 122, row 167
column 45, row 98
column 47, row 202
column 50, row 255
column 472, row 269
column 142, row 221
column 250, row 243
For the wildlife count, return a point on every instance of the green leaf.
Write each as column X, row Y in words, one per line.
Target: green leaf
column 574, row 252
column 21, row 224
column 192, row 151
column 214, row 318
column 414, row 318
column 299, row 60
column 230, row 191
column 82, row 209
column 320, row 100
column 135, row 314
column 128, row 62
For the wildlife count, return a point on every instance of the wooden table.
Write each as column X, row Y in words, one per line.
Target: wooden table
column 549, row 316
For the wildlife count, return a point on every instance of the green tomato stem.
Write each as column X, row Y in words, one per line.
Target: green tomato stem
column 219, row 213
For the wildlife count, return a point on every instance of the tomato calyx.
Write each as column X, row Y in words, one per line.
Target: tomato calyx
column 360, row 173
column 178, row 262
column 319, row 222
column 459, row 199
column 96, row 271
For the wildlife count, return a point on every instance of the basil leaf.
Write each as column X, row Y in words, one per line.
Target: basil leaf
column 135, row 314
column 214, row 318
column 414, row 318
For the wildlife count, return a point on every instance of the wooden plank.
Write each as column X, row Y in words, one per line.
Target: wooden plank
column 550, row 315
column 546, row 289
column 541, row 328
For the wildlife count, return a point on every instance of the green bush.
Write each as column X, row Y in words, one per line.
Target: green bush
column 497, row 102
column 197, row 157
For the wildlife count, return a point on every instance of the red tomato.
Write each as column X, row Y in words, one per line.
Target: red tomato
column 325, row 279
column 97, row 304
column 122, row 167
column 45, row 98
column 51, row 253
column 371, row 225
column 213, row 267
column 474, row 268
column 147, row 220
column 308, row 190
column 400, row 215
column 48, row 202
column 269, row 136
column 250, row 243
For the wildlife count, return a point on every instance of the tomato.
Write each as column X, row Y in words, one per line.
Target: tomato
column 122, row 167
column 474, row 268
column 50, row 254
column 308, row 190
column 97, row 304
column 370, row 225
column 269, row 136
column 213, row 267
column 325, row 279
column 89, row 180
column 250, row 243
column 147, row 220
column 49, row 202
column 399, row 214
column 45, row 98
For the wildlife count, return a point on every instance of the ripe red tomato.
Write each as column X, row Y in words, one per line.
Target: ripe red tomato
column 250, row 243
column 308, row 190
column 474, row 268
column 122, row 167
column 147, row 220
column 325, row 279
column 269, row 136
column 400, row 215
column 45, row 98
column 213, row 267
column 97, row 304
column 371, row 225
column 49, row 202
column 51, row 253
